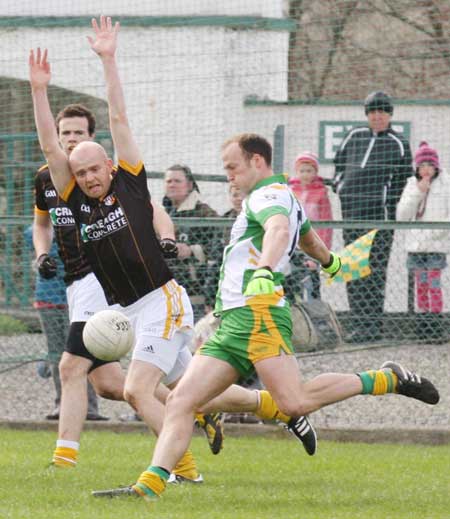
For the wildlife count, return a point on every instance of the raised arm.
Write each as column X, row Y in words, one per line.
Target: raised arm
column 162, row 223
column 104, row 44
column 42, row 233
column 39, row 70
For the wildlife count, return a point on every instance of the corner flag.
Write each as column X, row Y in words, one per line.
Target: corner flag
column 355, row 259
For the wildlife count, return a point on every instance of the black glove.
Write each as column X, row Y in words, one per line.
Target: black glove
column 46, row 266
column 169, row 248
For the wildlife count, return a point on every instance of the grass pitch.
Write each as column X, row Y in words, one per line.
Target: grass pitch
column 252, row 478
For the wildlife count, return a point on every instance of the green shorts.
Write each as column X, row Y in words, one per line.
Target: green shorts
column 249, row 334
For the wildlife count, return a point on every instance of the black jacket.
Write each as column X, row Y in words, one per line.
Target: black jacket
column 371, row 172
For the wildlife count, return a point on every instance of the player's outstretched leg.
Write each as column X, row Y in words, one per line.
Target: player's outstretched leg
column 213, row 429
column 412, row 385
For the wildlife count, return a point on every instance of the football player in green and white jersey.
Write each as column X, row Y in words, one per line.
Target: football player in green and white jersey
column 255, row 330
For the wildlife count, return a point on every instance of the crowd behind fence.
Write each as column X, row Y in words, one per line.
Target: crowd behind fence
column 323, row 321
column 320, row 327
column 199, row 274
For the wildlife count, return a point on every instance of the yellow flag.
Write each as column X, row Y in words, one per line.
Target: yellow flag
column 355, row 259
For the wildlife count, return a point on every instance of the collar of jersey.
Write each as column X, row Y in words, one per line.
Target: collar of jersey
column 110, row 190
column 274, row 179
column 389, row 129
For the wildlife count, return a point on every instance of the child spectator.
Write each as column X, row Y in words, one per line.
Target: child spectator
column 311, row 192
column 426, row 199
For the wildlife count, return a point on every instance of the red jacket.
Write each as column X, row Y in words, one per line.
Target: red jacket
column 315, row 201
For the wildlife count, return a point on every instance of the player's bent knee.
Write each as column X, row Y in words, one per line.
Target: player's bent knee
column 108, row 387
column 111, row 393
column 179, row 402
column 71, row 368
column 130, row 397
column 294, row 407
column 137, row 398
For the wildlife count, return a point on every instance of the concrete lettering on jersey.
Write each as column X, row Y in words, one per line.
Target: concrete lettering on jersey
column 61, row 216
column 113, row 222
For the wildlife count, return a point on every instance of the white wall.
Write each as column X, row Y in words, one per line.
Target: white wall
column 184, row 87
column 267, row 8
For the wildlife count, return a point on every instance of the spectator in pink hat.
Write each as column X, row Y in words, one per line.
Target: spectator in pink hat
column 426, row 199
column 310, row 190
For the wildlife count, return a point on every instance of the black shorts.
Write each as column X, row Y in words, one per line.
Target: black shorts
column 75, row 345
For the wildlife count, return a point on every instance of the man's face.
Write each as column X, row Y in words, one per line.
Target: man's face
column 177, row 186
column 72, row 131
column 92, row 171
column 236, row 199
column 242, row 173
column 379, row 120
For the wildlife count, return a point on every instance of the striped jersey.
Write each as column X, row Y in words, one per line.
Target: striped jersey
column 118, row 236
column 67, row 235
column 269, row 197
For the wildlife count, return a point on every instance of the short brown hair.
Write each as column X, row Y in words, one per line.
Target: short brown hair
column 186, row 170
column 251, row 143
column 77, row 110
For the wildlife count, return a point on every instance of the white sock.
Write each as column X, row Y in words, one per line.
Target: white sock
column 68, row 443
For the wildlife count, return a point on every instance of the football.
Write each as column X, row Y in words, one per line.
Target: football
column 108, row 335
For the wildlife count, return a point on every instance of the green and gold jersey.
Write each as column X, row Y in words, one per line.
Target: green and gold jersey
column 270, row 196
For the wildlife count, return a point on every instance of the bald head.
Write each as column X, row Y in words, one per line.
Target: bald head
column 91, row 168
column 87, row 151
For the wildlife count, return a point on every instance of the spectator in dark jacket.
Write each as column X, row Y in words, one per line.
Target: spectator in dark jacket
column 372, row 167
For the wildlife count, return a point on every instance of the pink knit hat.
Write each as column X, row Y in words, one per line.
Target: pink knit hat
column 426, row 154
column 307, row 156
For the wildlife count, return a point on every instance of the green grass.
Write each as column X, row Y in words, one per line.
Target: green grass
column 11, row 326
column 253, row 478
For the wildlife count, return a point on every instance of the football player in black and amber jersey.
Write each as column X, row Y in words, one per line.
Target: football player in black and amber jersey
column 114, row 214
column 75, row 124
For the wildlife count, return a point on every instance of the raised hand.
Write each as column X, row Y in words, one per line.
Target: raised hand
column 105, row 41
column 39, row 69
column 424, row 184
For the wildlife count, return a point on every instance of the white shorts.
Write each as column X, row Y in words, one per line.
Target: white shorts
column 85, row 297
column 171, row 356
column 163, row 321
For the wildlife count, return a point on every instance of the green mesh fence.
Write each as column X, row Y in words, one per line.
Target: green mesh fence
column 195, row 73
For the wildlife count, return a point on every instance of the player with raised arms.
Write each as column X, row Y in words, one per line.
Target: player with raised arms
column 114, row 214
column 74, row 124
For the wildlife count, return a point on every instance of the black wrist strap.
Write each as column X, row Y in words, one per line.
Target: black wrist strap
column 330, row 262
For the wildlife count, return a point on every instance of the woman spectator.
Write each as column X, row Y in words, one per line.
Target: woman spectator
column 426, row 199
column 196, row 244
